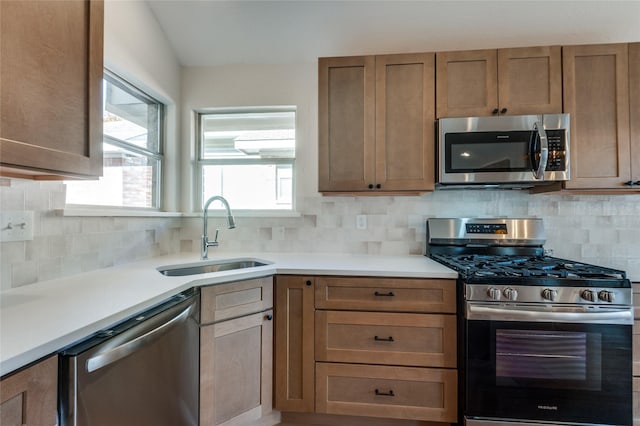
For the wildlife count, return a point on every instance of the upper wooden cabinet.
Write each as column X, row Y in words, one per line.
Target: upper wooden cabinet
column 376, row 123
column 596, row 85
column 504, row 81
column 51, row 88
column 634, row 111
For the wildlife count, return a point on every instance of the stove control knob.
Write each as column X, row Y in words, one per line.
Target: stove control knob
column 550, row 294
column 493, row 293
column 510, row 293
column 589, row 295
column 606, row 296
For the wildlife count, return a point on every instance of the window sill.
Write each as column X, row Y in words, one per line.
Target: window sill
column 118, row 212
column 113, row 212
column 246, row 213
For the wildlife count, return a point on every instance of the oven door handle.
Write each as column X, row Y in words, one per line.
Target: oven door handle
column 538, row 127
column 520, row 313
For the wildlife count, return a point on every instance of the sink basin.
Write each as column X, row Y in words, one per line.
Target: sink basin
column 213, row 266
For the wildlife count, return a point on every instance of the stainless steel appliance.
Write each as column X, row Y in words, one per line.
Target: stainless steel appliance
column 542, row 340
column 504, row 151
column 143, row 371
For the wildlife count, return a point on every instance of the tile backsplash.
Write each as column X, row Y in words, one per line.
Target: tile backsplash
column 600, row 229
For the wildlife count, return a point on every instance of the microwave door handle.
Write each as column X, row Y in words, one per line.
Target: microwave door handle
column 544, row 150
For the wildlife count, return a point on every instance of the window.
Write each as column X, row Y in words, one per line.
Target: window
column 248, row 157
column 132, row 145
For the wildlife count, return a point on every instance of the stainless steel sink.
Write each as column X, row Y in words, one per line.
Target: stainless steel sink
column 215, row 266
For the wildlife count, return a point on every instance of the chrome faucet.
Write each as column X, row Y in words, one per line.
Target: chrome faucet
column 205, row 237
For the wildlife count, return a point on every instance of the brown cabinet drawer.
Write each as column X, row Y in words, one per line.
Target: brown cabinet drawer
column 386, row 294
column 422, row 340
column 225, row 301
column 393, row 392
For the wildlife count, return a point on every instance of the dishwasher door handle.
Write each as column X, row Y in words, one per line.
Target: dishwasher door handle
column 159, row 325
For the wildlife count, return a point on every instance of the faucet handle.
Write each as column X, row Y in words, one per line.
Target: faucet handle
column 215, row 237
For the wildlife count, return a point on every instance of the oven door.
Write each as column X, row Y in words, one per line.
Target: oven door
column 555, row 364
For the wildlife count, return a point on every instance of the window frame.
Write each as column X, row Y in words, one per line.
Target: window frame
column 200, row 162
column 157, row 183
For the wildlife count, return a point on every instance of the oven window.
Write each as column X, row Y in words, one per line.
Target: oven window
column 548, row 355
column 548, row 358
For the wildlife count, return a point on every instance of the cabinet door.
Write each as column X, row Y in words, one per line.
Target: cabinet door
column 294, row 339
column 419, row 340
column 29, row 397
column 530, row 80
column 405, row 117
column 226, row 301
column 386, row 294
column 384, row 391
column 596, row 94
column 634, row 98
column 346, row 95
column 236, row 370
column 51, row 88
column 466, row 85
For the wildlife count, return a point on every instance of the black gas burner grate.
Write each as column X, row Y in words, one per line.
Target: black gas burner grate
column 480, row 265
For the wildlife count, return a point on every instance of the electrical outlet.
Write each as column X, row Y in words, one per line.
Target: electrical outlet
column 16, row 226
column 361, row 221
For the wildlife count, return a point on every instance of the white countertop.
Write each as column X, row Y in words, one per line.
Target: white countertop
column 40, row 319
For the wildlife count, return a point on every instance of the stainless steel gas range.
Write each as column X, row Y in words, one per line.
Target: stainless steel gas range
column 542, row 340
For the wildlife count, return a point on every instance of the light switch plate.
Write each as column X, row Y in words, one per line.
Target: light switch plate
column 16, row 226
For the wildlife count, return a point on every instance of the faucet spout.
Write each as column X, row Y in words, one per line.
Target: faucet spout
column 231, row 222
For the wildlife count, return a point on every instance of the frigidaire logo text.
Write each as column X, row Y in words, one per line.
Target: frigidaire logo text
column 548, row 407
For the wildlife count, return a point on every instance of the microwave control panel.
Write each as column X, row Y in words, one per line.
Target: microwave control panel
column 557, row 150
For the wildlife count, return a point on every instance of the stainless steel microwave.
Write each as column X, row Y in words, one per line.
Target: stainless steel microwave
column 505, row 151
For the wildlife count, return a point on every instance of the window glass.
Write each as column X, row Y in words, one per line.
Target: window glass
column 132, row 158
column 248, row 157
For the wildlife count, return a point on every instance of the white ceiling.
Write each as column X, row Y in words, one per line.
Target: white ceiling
column 216, row 32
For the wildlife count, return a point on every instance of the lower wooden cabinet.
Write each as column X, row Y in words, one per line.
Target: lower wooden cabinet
column 419, row 340
column 236, row 353
column 366, row 347
column 29, row 397
column 294, row 340
column 385, row 391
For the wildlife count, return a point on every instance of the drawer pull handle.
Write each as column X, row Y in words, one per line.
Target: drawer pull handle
column 390, row 294
column 382, row 339
column 390, row 393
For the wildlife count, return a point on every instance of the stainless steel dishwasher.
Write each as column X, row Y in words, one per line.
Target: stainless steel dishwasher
column 143, row 371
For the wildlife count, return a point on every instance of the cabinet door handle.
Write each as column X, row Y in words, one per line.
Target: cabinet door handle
column 268, row 317
column 495, row 111
column 390, row 393
column 378, row 186
column 377, row 293
column 503, row 111
column 383, row 339
column 370, row 186
column 308, row 283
